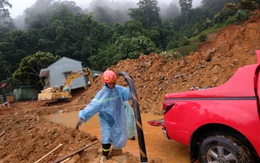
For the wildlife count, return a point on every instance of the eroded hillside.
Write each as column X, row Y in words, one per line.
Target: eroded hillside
column 213, row 64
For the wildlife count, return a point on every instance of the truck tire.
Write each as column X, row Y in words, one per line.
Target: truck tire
column 223, row 148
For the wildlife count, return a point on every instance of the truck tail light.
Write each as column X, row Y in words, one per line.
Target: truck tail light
column 167, row 107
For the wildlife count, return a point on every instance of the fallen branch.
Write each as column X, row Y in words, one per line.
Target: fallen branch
column 65, row 160
column 49, row 153
column 69, row 155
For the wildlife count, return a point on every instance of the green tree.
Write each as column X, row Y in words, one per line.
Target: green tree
column 186, row 6
column 20, row 44
column 249, row 4
column 83, row 38
column 106, row 57
column 133, row 28
column 212, row 7
column 147, row 13
column 63, row 15
column 135, row 46
column 170, row 12
column 4, row 68
column 241, row 9
column 30, row 66
column 167, row 34
column 38, row 16
column 4, row 12
column 106, row 14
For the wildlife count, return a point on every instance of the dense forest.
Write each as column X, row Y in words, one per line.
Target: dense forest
column 105, row 33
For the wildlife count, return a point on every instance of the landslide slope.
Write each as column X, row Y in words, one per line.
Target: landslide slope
column 213, row 64
column 26, row 136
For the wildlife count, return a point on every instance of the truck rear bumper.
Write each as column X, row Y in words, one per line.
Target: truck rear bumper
column 165, row 133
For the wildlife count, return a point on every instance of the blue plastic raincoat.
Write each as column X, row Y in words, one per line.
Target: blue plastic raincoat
column 109, row 104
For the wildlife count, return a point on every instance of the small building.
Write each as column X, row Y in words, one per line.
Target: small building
column 56, row 74
column 24, row 93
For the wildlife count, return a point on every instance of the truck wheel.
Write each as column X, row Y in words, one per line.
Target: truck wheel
column 222, row 148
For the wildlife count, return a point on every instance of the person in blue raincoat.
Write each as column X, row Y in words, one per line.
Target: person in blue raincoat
column 109, row 104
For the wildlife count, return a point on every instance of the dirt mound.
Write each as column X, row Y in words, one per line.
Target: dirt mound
column 213, row 64
column 26, row 136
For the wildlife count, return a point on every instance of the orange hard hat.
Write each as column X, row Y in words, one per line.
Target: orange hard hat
column 109, row 76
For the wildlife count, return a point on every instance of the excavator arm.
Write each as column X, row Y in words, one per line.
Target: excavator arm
column 84, row 72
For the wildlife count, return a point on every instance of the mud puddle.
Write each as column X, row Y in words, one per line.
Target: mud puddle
column 157, row 146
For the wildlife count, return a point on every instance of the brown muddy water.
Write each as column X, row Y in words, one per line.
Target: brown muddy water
column 157, row 146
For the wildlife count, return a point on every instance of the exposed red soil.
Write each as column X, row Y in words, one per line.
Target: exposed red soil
column 25, row 136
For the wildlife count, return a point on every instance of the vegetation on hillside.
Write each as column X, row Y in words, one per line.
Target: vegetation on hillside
column 103, row 34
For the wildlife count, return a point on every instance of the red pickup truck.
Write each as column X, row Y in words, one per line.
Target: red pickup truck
column 220, row 124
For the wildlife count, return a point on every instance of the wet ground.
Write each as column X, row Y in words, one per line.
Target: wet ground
column 157, row 146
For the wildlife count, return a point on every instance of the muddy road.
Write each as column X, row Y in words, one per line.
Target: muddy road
column 157, row 146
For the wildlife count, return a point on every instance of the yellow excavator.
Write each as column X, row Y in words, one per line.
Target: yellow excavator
column 53, row 94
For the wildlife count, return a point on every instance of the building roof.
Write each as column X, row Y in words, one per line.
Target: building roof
column 64, row 59
column 44, row 72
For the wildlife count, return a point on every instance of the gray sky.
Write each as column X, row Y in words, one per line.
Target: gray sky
column 19, row 5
